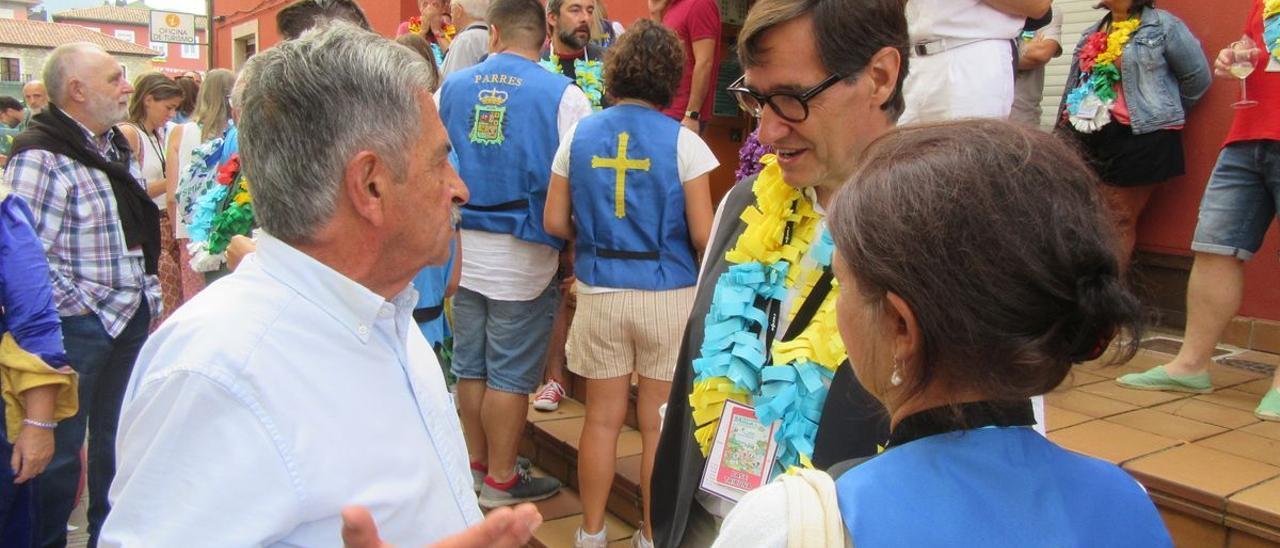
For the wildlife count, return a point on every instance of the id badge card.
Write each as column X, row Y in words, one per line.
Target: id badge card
column 741, row 457
column 1087, row 111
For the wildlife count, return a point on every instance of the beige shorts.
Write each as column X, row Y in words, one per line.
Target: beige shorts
column 614, row 334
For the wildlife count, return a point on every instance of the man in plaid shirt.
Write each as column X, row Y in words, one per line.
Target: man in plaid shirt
column 75, row 172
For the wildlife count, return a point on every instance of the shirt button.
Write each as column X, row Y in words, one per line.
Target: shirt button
column 362, row 330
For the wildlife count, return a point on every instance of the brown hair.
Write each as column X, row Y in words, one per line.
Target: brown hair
column 422, row 47
column 846, row 33
column 301, row 16
column 213, row 113
column 997, row 239
column 645, row 63
column 190, row 90
column 150, row 84
column 519, row 22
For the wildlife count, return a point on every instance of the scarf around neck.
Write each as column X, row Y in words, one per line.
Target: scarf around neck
column 54, row 131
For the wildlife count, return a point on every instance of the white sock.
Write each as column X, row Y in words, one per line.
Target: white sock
column 583, row 535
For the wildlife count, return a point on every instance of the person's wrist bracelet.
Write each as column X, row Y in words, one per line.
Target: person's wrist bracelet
column 39, row 424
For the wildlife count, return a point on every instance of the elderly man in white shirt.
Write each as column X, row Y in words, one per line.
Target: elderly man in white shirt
column 300, row 384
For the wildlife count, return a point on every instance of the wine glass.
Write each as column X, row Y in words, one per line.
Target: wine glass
column 1244, row 55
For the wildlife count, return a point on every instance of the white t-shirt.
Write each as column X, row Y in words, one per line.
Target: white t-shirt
column 503, row 267
column 693, row 159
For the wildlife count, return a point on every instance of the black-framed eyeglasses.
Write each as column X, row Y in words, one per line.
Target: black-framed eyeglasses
column 792, row 106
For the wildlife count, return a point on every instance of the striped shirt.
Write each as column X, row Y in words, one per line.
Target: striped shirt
column 76, row 218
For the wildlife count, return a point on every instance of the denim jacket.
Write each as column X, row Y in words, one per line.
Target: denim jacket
column 1163, row 71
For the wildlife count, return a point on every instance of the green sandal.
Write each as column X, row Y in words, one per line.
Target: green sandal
column 1156, row 379
column 1269, row 408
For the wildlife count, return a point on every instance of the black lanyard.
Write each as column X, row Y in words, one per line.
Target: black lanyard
column 773, row 307
column 154, row 141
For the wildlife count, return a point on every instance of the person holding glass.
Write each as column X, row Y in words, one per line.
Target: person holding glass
column 1242, row 197
column 953, row 352
column 1134, row 76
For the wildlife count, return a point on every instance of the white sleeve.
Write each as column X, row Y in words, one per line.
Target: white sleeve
column 560, row 165
column 184, row 482
column 759, row 520
column 695, row 157
column 574, row 106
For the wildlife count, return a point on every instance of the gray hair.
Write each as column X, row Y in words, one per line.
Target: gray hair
column 312, row 104
column 60, row 65
column 474, row 8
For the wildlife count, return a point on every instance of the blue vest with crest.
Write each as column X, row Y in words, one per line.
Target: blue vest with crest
column 628, row 201
column 996, row 486
column 501, row 116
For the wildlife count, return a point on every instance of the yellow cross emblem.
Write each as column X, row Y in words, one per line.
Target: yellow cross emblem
column 620, row 165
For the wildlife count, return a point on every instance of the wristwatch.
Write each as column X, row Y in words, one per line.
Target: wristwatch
column 692, row 115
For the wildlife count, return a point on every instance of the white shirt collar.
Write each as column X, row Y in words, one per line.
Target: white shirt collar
column 351, row 304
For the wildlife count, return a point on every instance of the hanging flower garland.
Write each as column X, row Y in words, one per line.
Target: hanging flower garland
column 224, row 211
column 1271, row 28
column 749, row 156
column 415, row 27
column 793, row 387
column 589, row 76
column 199, row 176
column 1089, row 103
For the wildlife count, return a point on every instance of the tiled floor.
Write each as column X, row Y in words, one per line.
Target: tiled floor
column 562, row 514
column 1210, row 464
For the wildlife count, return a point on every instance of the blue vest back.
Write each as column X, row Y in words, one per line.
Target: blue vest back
column 628, row 201
column 501, row 117
column 431, row 283
column 994, row 487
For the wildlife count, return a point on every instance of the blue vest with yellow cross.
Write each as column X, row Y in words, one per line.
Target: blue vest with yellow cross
column 501, row 116
column 628, row 201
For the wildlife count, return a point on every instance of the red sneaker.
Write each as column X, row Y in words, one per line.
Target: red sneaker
column 549, row 397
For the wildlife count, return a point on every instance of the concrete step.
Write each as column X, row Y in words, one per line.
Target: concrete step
column 551, row 442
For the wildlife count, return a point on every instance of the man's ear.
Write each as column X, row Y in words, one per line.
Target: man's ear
column 495, row 37
column 364, row 182
column 882, row 70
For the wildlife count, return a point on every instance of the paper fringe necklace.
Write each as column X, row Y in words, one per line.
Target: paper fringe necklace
column 589, row 75
column 415, row 27
column 793, row 387
column 1271, row 28
column 224, row 211
column 1089, row 103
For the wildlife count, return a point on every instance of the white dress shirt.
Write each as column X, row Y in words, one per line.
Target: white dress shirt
column 276, row 397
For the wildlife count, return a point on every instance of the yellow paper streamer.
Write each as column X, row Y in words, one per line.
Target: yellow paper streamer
column 777, row 203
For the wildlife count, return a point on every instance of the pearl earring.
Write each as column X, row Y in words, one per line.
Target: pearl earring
column 896, row 378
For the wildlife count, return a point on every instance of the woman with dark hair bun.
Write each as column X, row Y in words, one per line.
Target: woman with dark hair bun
column 631, row 187
column 976, row 266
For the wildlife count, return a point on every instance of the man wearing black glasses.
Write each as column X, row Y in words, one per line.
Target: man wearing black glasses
column 824, row 80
